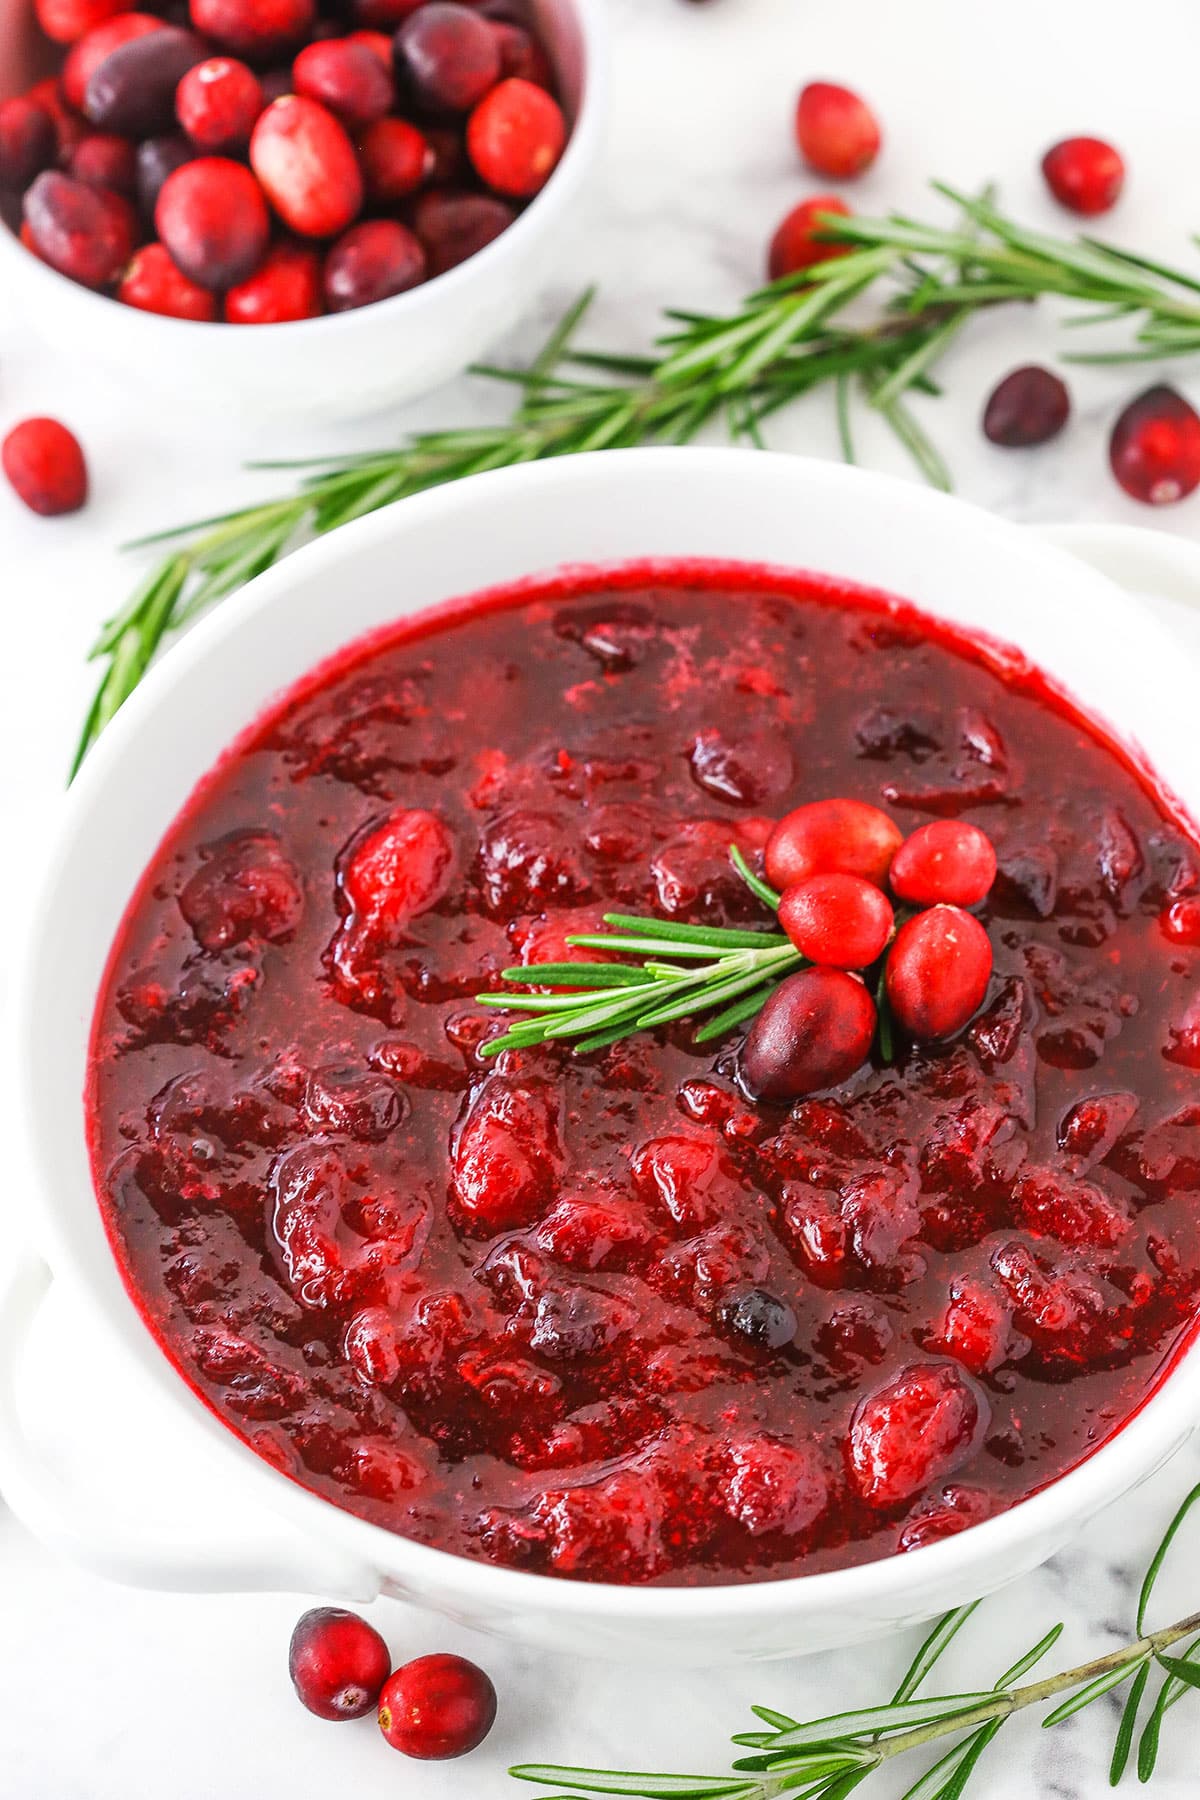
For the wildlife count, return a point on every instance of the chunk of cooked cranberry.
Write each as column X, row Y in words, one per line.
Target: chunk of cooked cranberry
column 692, row 873
column 880, row 1209
column 599, row 1230
column 544, row 939
column 351, row 1101
column 691, row 1178
column 857, row 1329
column 944, row 1516
column 1062, row 1307
column 917, row 1428
column 511, row 1388
column 395, row 869
column 529, row 859
column 976, row 1328
column 246, row 886
column 256, row 1384
column 748, row 768
column 1091, row 1128
column 506, row 1157
column 998, row 1032
column 381, row 1470
column 770, row 1485
column 816, row 1231
column 618, row 831
column 1028, row 874
column 574, row 1323
column 370, row 1345
column 1071, row 1211
column 701, row 1270
column 416, row 1068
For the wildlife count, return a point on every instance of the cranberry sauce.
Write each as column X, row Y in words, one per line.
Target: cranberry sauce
column 601, row 1316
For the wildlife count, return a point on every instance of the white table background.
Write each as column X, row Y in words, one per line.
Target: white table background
column 107, row 1694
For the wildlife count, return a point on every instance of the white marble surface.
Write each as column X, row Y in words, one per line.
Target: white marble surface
column 113, row 1695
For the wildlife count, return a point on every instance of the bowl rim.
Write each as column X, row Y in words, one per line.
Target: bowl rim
column 582, row 147
column 1165, row 1416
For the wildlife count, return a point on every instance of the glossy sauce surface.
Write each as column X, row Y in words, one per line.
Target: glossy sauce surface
column 495, row 1306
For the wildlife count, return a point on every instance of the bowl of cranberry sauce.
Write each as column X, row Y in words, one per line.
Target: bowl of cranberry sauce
column 600, row 1349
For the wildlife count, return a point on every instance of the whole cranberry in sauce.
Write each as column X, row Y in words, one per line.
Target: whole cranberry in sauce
column 815, row 1030
column 1085, row 174
column 946, row 861
column 841, row 920
column 824, row 837
column 1030, row 406
column 938, row 970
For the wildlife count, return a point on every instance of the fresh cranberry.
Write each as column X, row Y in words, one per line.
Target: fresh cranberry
column 917, row 1428
column 213, row 219
column 153, row 284
column 522, row 55
column 85, row 57
column 841, row 920
column 450, row 167
column 286, row 285
column 1155, row 447
column 395, row 160
column 133, row 90
column 157, row 158
column 838, row 134
column 455, row 226
column 946, row 861
column 814, row 1031
column 338, row 1663
column 938, row 971
column 1084, row 174
column 515, row 137
column 447, row 57
column 217, row 103
column 27, row 141
column 45, row 466
column 348, row 78
column 372, row 262
column 307, row 166
column 259, row 30
column 66, row 21
column 437, row 1707
column 104, row 160
column 826, row 837
column 797, row 243
column 1028, row 407
column 84, row 232
column 377, row 42
column 383, row 15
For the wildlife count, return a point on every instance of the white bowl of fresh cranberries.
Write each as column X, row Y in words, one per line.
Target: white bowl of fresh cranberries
column 377, row 186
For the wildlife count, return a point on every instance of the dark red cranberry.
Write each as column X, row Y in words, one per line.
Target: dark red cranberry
column 796, row 244
column 348, row 78
column 85, row 57
column 285, row 286
column 450, row 167
column 842, row 920
column 104, row 160
column 437, row 1707
column 838, row 134
column 68, row 126
column 521, row 54
column 27, row 141
column 133, row 89
column 338, row 1663
column 815, row 1030
column 213, row 219
column 844, row 837
column 453, row 226
column 1084, row 174
column 217, row 103
column 1030, row 406
column 382, row 15
column 938, row 971
column 447, row 57
column 515, row 137
column 759, row 1318
column 372, row 261
column 157, row 158
column 259, row 30
column 1155, row 447
column 307, row 166
column 44, row 464
column 946, row 861
column 66, row 21
column 395, row 160
column 84, row 232
column 152, row 283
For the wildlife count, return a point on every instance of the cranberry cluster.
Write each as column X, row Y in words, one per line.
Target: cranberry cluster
column 260, row 163
column 834, row 861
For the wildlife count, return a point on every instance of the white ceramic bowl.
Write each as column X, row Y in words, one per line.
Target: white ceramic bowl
column 955, row 561
column 249, row 379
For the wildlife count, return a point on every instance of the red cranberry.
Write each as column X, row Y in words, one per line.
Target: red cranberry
column 372, row 262
column 938, row 971
column 66, row 21
column 841, row 920
column 217, row 103
column 815, row 1030
column 259, row 30
column 27, row 141
column 796, row 246
column 838, row 134
column 453, row 226
column 1085, row 174
column 84, row 232
column 377, row 42
column 347, row 78
column 44, row 463
column 213, row 219
column 157, row 158
column 947, row 860
column 1180, row 922
column 307, row 166
column 152, row 283
column 85, row 57
column 285, row 286
column 395, row 160
column 522, row 55
column 1155, row 447
column 447, row 57
column 843, row 837
column 1030, row 406
column 68, row 126
column 133, row 89
column 338, row 1663
column 437, row 1707
column 515, row 137
column 104, row 160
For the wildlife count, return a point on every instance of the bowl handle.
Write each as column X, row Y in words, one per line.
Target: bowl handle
column 268, row 1555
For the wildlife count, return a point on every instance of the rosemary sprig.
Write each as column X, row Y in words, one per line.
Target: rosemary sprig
column 827, row 1758
column 924, row 282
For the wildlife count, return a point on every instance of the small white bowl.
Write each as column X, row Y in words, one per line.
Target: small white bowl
column 955, row 561
column 251, row 379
